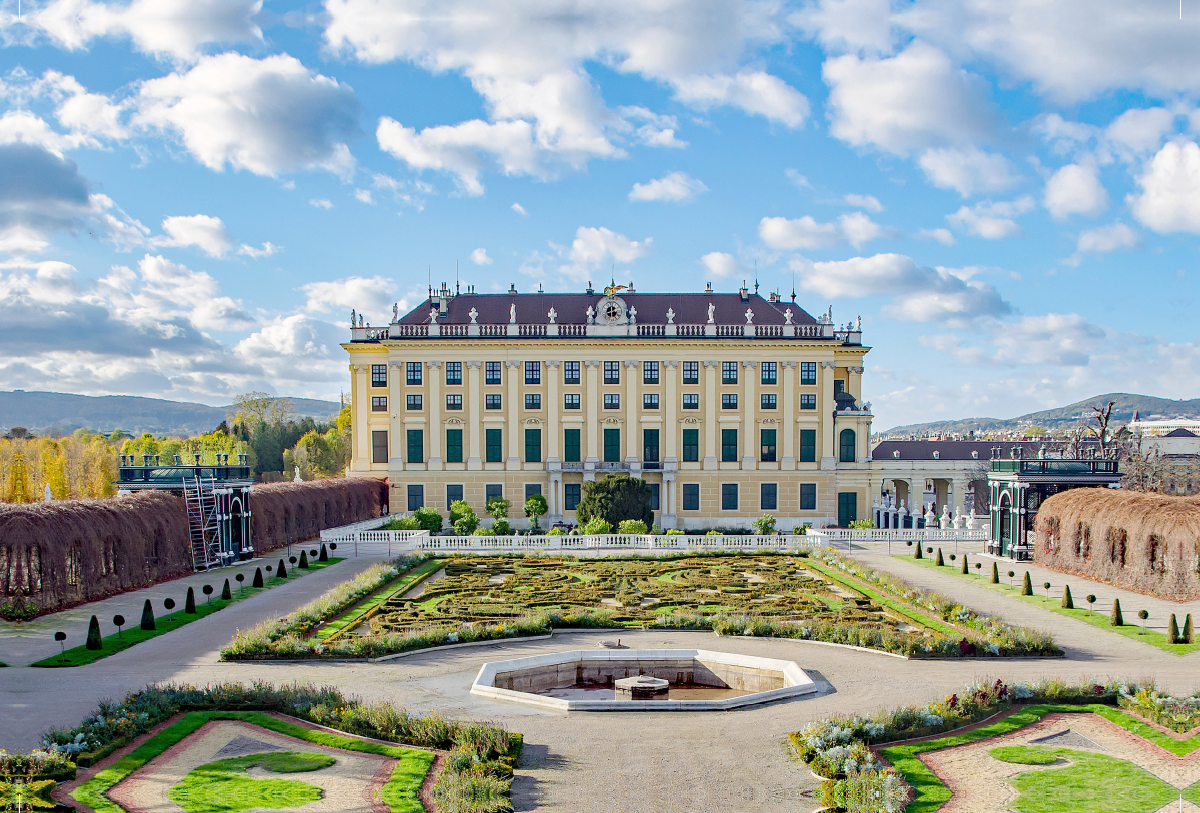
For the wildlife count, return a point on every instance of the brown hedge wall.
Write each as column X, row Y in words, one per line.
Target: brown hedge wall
column 68, row 552
column 1140, row 541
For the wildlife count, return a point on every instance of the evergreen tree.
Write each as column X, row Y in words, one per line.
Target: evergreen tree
column 226, row 594
column 995, row 574
column 324, row 557
column 303, row 560
column 1189, row 636
column 189, row 606
column 614, row 498
column 258, row 579
column 1173, row 630
column 281, row 571
column 1115, row 619
column 964, row 565
column 93, row 636
column 147, row 616
column 1066, row 599
column 940, row 561
column 918, row 554
column 1027, row 585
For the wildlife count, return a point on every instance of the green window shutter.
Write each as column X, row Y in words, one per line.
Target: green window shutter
column 495, row 445
column 691, row 445
column 454, row 446
column 571, row 446
column 612, row 445
column 846, row 446
column 729, row 446
column 416, row 446
column 650, row 445
column 808, row 445
column 533, row 445
column 767, row 453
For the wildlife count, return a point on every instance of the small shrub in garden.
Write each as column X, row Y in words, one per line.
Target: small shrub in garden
column 1091, row 599
column 1115, row 619
column 93, row 637
column 1188, row 634
column 189, row 604
column 631, row 526
column 964, row 565
column 1027, row 585
column 1067, row 603
column 940, row 562
column 324, row 557
column 500, row 527
column 207, row 590
column 226, row 593
column 1046, row 587
column 118, row 622
column 596, row 525
column 428, row 519
column 280, row 570
column 764, row 525
column 258, row 578
column 303, row 560
column 169, row 604
column 1143, row 615
column 1173, row 630
column 147, row 616
column 995, row 574
column 918, row 554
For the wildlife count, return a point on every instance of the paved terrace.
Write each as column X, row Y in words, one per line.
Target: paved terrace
column 612, row 761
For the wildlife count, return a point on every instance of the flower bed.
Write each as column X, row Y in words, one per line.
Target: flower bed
column 1178, row 714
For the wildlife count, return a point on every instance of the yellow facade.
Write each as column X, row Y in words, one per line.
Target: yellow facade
column 523, row 413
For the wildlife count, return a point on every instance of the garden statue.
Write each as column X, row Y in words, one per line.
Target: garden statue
column 297, row 479
column 49, row 496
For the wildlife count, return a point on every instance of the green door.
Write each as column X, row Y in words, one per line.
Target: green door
column 847, row 508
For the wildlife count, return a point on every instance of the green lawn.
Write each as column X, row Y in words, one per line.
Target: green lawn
column 400, row 793
column 1097, row 618
column 225, row 786
column 356, row 615
column 134, row 634
column 897, row 606
column 1092, row 782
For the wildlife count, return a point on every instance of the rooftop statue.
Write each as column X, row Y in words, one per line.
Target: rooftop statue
column 473, row 314
column 711, row 310
column 749, row 316
column 670, row 316
column 512, row 313
column 552, row 315
column 787, row 316
column 614, row 289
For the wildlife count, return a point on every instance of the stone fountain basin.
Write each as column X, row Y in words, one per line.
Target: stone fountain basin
column 518, row 680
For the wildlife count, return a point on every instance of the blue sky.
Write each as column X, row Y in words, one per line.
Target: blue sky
column 198, row 191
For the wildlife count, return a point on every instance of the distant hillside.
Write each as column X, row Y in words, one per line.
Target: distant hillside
column 1126, row 404
column 40, row 411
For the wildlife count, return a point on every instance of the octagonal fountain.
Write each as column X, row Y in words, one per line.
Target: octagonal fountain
column 641, row 680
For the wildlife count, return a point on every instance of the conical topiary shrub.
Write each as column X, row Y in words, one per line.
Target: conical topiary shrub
column 1115, row 619
column 189, row 605
column 226, row 594
column 1066, row 601
column 995, row 574
column 964, row 566
column 1173, row 630
column 324, row 557
column 93, row 638
column 1189, row 636
column 918, row 554
column 303, row 560
column 147, row 616
column 940, row 561
column 281, row 571
column 1027, row 585
column 258, row 580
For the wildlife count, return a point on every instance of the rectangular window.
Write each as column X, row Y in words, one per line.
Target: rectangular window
column 491, row 373
column 454, row 446
column 691, row 400
column 413, row 373
column 691, row 445
column 768, row 400
column 378, row 375
column 691, row 372
column 454, row 373
column 413, row 402
column 808, row 496
column 612, row 372
column 571, row 400
column 416, row 445
column 808, row 445
column 655, row 496
column 729, row 373
column 570, row 372
column 612, row 445
column 533, row 372
column 650, row 445
column 650, row 400
column 729, row 446
column 729, row 400
column 571, row 451
column 768, row 497
column 416, row 497
column 767, row 438
column 691, row 496
column 493, row 491
column 379, row 403
column 729, row 496
column 571, row 496
column 454, row 493
column 494, row 445
column 454, row 403
column 808, row 372
column 379, row 446
column 533, row 400
column 612, row 401
column 532, row 490
column 808, row 402
column 839, row 385
column 770, row 372
column 649, row 372
column 491, row 402
column 533, row 445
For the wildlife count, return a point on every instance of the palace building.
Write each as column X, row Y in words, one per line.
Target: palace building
column 729, row 405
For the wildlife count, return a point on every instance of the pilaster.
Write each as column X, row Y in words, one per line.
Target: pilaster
column 512, row 415
column 473, row 395
column 787, row 461
column 712, row 369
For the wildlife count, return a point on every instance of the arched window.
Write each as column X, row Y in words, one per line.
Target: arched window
column 846, row 442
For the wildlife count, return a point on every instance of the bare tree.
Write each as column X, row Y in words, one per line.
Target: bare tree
column 1100, row 430
column 1075, row 435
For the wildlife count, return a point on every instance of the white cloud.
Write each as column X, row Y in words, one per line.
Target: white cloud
column 798, row 180
column 912, row 101
column 1075, row 189
column 677, row 187
column 23, row 127
column 992, row 221
column 1140, row 131
column 321, row 203
column 299, row 350
column 480, row 257
column 804, row 232
column 917, row 293
column 89, row 116
column 658, row 131
column 720, row 264
column 868, row 202
column 174, row 28
column 848, row 25
column 1054, row 339
column 253, row 253
column 942, row 236
column 42, row 193
column 466, row 150
column 1169, row 200
column 364, row 196
column 266, row 116
column 1104, row 239
column 753, row 91
column 372, row 296
column 519, row 209
column 595, row 248
column 967, row 170
column 206, row 233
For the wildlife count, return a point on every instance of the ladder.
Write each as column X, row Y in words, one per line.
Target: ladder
column 203, row 524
